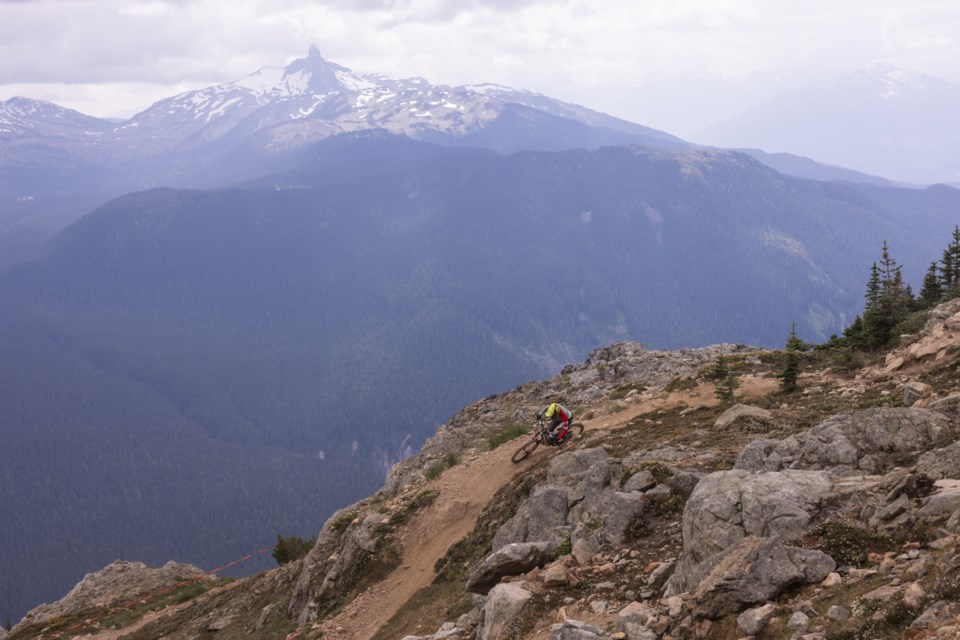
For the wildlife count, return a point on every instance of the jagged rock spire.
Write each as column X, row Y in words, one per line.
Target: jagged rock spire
column 322, row 75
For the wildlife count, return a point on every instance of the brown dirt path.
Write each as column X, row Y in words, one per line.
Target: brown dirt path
column 464, row 491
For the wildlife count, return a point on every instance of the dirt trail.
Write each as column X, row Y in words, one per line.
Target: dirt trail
column 464, row 491
column 751, row 388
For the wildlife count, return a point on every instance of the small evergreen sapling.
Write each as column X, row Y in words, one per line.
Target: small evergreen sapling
column 726, row 382
column 790, row 374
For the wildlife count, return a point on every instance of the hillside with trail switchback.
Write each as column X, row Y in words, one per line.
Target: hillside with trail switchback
column 828, row 512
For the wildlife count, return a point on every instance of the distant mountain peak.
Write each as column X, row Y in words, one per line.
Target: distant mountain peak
column 889, row 79
column 312, row 75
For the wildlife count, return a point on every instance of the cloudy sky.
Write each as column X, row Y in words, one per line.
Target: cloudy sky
column 678, row 65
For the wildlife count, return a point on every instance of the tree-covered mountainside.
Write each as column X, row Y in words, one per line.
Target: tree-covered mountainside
column 185, row 372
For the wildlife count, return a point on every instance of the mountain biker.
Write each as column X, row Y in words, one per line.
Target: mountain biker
column 556, row 414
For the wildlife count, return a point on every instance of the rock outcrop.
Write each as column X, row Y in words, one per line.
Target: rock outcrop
column 871, row 441
column 118, row 583
column 728, row 507
column 510, row 560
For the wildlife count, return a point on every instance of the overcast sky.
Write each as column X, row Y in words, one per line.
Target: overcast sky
column 677, row 65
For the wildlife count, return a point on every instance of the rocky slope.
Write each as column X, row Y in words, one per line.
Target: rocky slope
column 829, row 513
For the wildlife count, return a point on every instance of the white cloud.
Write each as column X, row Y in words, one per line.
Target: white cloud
column 629, row 57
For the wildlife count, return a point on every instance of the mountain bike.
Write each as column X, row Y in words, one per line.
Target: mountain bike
column 542, row 435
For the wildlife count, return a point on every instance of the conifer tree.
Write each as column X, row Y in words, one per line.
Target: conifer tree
column 727, row 383
column 888, row 302
column 950, row 266
column 790, row 374
column 932, row 292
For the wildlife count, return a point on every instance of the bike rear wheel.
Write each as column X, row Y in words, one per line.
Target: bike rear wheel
column 526, row 449
column 575, row 432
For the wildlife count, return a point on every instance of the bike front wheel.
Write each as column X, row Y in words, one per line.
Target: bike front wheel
column 526, row 450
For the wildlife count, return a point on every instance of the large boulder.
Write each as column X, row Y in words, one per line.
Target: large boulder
column 576, row 462
column 728, row 506
column 756, row 570
column 541, row 518
column 502, row 606
column 941, row 463
column 510, row 560
column 617, row 513
column 869, row 441
column 581, row 486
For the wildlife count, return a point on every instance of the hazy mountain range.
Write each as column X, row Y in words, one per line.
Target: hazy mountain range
column 884, row 121
column 186, row 370
column 57, row 164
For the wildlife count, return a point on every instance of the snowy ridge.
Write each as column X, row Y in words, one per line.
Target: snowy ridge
column 312, row 98
column 23, row 116
column 890, row 81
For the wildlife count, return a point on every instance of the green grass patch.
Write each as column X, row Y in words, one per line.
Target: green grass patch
column 680, row 383
column 848, row 545
column 342, row 521
column 507, row 434
column 621, row 391
column 436, row 469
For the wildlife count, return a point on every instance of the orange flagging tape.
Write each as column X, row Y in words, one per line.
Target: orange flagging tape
column 160, row 592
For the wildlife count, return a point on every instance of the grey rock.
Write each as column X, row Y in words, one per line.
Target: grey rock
column 555, row 574
column 752, row 621
column 914, row 390
column 661, row 490
column 640, row 481
column 894, row 509
column 942, row 503
column 576, row 630
column 503, row 604
column 219, row 624
column 683, row 482
column 509, row 560
column 728, row 506
column 757, row 570
column 471, row 619
column 599, row 606
column 541, row 518
column 933, row 616
column 572, row 463
column 760, row 455
column 659, row 576
column 941, row 463
column 617, row 512
column 365, row 536
column 118, row 581
column 633, row 619
column 448, row 630
column 838, row 613
column 948, row 405
column 872, row 440
column 798, row 620
column 584, row 551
